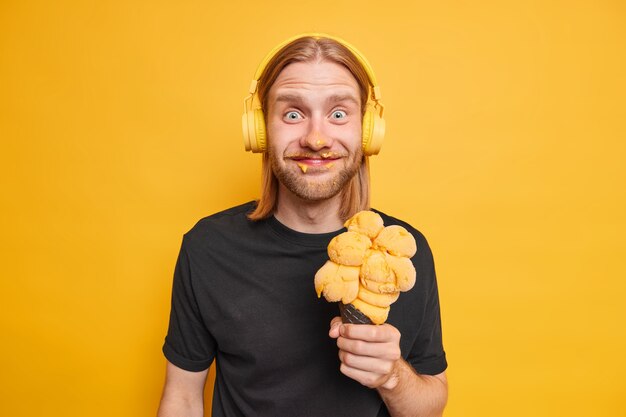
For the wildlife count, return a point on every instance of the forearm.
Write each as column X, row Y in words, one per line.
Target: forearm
column 173, row 405
column 413, row 394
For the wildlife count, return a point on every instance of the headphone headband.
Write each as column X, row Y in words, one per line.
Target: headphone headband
column 358, row 55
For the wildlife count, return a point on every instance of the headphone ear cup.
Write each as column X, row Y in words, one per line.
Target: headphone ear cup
column 378, row 134
column 260, row 131
column 367, row 129
column 373, row 131
column 253, row 125
column 247, row 134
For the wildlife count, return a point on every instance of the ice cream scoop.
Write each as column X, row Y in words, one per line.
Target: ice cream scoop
column 349, row 248
column 368, row 268
column 337, row 282
column 397, row 241
column 365, row 222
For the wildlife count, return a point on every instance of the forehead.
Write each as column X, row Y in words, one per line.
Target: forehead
column 321, row 77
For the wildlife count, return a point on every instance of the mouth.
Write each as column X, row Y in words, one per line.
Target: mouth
column 315, row 158
column 315, row 161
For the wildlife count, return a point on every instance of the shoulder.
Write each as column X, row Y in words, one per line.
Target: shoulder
column 233, row 220
column 236, row 214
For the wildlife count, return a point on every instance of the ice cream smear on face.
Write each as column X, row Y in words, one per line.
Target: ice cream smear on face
column 325, row 160
column 369, row 266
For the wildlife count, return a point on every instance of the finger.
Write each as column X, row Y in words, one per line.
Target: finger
column 386, row 351
column 369, row 379
column 366, row 363
column 370, row 333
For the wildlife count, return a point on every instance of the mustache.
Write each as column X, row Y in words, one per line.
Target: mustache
column 315, row 155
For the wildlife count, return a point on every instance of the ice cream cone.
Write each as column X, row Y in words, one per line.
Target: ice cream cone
column 368, row 267
column 350, row 314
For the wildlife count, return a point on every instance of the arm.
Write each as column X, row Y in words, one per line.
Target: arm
column 432, row 391
column 371, row 355
column 183, row 394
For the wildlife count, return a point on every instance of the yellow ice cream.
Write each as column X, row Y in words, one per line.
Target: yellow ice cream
column 376, row 268
column 348, row 248
column 365, row 222
column 403, row 270
column 377, row 299
column 397, row 241
column 369, row 265
column 337, row 282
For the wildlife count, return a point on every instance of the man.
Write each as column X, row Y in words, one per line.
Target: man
column 243, row 285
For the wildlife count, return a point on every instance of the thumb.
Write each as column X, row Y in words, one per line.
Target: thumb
column 334, row 327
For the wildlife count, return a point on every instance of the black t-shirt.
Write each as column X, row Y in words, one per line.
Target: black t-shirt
column 243, row 294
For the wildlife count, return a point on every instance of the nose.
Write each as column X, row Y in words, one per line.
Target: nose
column 315, row 141
column 315, row 138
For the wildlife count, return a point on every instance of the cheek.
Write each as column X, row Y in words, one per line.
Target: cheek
column 350, row 133
column 275, row 135
column 353, row 126
column 278, row 129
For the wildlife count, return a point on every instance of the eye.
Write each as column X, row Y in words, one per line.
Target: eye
column 339, row 114
column 292, row 115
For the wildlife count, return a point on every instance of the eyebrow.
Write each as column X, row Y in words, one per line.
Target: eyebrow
column 335, row 98
column 289, row 98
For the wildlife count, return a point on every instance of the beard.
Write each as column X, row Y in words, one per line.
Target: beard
column 311, row 187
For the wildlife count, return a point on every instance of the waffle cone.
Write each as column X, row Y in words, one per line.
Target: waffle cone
column 350, row 314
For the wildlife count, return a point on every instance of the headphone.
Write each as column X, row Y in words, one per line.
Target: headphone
column 253, row 120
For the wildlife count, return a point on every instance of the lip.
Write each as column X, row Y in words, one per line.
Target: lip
column 315, row 161
column 314, row 165
column 315, row 158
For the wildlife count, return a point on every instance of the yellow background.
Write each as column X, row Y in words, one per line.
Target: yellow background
column 120, row 128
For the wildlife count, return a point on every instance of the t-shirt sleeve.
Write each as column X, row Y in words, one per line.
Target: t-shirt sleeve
column 427, row 354
column 188, row 343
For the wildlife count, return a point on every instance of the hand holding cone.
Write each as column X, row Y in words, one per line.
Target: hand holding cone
column 369, row 265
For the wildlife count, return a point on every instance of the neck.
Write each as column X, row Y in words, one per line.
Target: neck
column 308, row 216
